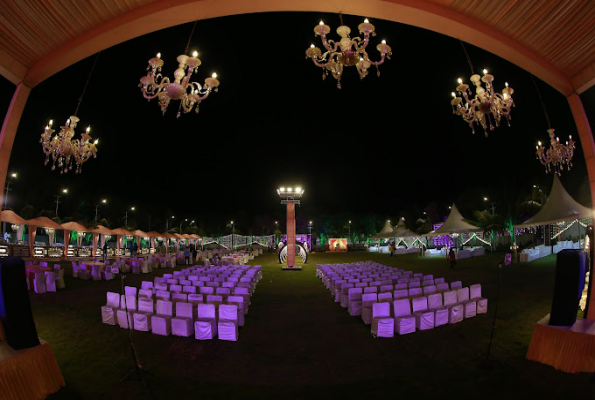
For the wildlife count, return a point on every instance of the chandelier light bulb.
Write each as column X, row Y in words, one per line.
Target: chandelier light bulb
column 88, row 128
column 96, row 141
column 383, row 41
column 298, row 189
column 506, row 84
column 312, row 46
column 214, row 76
column 453, row 95
column 51, row 122
column 485, row 71
column 282, row 189
column 289, row 190
column 195, row 54
column 366, row 21
column 321, row 22
column 460, row 80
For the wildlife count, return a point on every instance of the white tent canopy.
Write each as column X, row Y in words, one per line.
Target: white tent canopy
column 559, row 207
column 454, row 224
column 401, row 230
column 385, row 232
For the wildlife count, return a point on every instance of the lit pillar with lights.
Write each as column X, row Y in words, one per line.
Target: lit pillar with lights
column 290, row 197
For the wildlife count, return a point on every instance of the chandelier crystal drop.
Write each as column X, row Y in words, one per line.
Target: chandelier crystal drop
column 487, row 107
column 189, row 93
column 65, row 151
column 557, row 155
column 347, row 52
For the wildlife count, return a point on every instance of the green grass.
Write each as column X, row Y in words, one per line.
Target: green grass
column 298, row 343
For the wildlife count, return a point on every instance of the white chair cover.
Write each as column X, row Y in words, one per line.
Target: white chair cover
column 39, row 282
column 404, row 321
column 182, row 324
column 424, row 319
column 470, row 305
column 142, row 317
column 227, row 327
column 205, row 327
column 60, row 280
column 440, row 313
column 108, row 311
column 368, row 299
column 161, row 321
column 475, row 294
column 382, row 323
column 50, row 281
column 354, row 303
column 238, row 301
column 455, row 310
column 146, row 293
column 122, row 320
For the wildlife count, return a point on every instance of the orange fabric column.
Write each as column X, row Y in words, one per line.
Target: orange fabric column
column 9, row 130
column 291, row 234
column 588, row 146
column 32, row 232
column 95, row 240
column 66, row 242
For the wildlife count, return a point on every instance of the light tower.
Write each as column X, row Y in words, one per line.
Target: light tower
column 290, row 197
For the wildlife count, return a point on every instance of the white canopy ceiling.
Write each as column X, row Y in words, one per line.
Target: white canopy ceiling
column 401, row 230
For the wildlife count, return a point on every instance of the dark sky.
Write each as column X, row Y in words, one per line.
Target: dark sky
column 383, row 144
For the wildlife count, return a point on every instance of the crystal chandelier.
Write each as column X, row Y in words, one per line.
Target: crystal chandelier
column 65, row 150
column 189, row 93
column 487, row 107
column 347, row 52
column 557, row 155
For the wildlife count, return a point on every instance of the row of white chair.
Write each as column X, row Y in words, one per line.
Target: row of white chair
column 205, row 319
column 48, row 281
column 423, row 313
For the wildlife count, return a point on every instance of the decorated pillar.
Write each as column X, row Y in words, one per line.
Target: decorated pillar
column 290, row 197
column 66, row 241
column 32, row 233
column 291, row 233
column 95, row 241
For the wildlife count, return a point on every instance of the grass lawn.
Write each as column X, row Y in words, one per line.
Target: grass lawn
column 297, row 343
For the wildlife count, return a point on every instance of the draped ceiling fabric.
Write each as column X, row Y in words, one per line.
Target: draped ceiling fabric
column 76, row 227
column 11, row 217
column 455, row 223
column 385, row 232
column 559, row 207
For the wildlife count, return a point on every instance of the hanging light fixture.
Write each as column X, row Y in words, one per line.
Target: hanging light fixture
column 65, row 150
column 487, row 107
column 558, row 154
column 189, row 93
column 347, row 52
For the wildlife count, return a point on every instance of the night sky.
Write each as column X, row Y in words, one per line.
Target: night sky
column 387, row 145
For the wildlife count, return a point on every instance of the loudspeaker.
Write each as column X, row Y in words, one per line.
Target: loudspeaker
column 15, row 308
column 570, row 280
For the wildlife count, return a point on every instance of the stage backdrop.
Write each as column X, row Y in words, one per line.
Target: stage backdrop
column 337, row 244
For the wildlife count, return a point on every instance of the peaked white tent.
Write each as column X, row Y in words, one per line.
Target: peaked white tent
column 559, row 207
column 401, row 230
column 385, row 232
column 454, row 224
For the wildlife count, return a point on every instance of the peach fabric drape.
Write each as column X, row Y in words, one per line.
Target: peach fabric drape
column 30, row 374
column 563, row 349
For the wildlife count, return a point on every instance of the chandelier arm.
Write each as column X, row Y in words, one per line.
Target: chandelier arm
column 150, row 95
column 330, row 45
column 361, row 47
column 323, row 65
column 376, row 63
